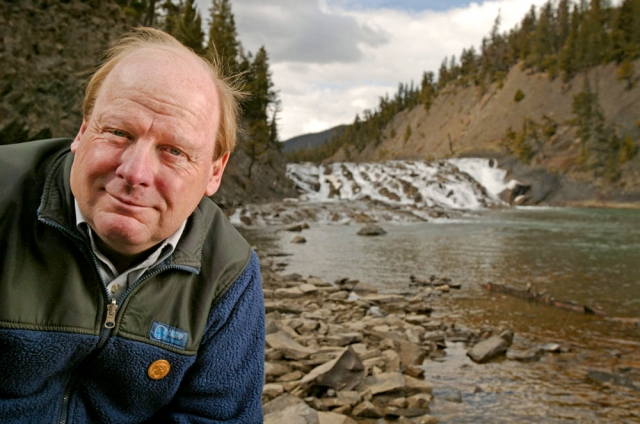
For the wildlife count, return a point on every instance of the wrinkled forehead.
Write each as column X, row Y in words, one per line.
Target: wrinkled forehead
column 181, row 78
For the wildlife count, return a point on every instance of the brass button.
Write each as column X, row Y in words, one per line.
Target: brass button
column 159, row 369
column 115, row 288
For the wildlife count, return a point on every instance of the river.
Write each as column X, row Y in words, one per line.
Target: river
column 590, row 256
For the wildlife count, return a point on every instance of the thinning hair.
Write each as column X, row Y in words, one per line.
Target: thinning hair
column 142, row 38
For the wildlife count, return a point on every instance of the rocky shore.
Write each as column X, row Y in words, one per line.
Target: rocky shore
column 340, row 352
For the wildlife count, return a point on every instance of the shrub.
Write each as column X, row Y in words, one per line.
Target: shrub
column 518, row 96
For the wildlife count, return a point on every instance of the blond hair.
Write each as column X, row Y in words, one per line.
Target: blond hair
column 143, row 38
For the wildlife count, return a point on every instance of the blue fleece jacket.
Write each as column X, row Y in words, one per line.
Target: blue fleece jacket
column 200, row 314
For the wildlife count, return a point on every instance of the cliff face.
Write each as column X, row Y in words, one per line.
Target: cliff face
column 461, row 123
column 48, row 50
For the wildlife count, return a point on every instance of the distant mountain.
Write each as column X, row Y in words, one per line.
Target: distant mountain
column 310, row 140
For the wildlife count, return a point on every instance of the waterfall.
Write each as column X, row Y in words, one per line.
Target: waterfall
column 453, row 184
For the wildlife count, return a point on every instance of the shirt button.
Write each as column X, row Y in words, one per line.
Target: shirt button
column 115, row 288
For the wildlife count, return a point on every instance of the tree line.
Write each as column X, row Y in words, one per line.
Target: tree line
column 260, row 108
column 563, row 39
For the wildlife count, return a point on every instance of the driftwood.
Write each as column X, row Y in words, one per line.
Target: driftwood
column 540, row 297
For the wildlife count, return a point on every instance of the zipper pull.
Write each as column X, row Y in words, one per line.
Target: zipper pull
column 110, row 322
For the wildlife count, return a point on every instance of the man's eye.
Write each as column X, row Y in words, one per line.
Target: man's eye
column 119, row 133
column 174, row 151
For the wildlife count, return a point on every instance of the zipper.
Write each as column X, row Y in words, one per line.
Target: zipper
column 110, row 320
column 111, row 308
column 84, row 246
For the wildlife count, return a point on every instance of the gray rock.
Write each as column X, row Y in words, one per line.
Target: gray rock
column 289, row 347
column 367, row 409
column 275, row 369
column 271, row 391
column 410, row 354
column 344, row 339
column 383, row 383
column 371, row 230
column 343, row 373
column 333, row 418
column 488, row 349
column 296, row 414
column 528, row 355
column 280, row 403
column 298, row 227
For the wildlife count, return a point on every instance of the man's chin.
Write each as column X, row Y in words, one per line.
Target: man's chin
column 128, row 237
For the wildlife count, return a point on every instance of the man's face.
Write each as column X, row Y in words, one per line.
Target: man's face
column 144, row 158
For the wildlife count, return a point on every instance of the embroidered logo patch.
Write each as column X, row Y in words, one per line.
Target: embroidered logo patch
column 172, row 336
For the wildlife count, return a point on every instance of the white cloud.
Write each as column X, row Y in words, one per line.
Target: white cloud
column 330, row 63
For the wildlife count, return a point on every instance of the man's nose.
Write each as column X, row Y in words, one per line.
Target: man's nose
column 138, row 164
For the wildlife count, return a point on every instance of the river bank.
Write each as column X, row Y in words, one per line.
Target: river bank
column 592, row 375
column 341, row 351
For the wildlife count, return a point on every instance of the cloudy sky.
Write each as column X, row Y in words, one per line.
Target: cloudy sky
column 331, row 59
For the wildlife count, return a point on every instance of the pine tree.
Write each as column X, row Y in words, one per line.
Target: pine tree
column 626, row 32
column 543, row 45
column 171, row 19
column 189, row 27
column 139, row 12
column 262, row 133
column 223, row 37
column 427, row 91
column 570, row 62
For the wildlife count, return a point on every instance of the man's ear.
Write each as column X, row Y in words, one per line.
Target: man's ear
column 76, row 141
column 216, row 175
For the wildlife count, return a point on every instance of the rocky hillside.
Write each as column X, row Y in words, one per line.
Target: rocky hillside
column 460, row 123
column 47, row 51
column 49, row 48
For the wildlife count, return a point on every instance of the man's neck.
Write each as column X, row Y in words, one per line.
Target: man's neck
column 121, row 261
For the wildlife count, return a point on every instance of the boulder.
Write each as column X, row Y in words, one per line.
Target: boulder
column 298, row 227
column 528, row 355
column 488, row 349
column 333, row 418
column 275, row 369
column 307, row 288
column 300, row 413
column 415, row 385
column 272, row 391
column 343, row 373
column 371, row 230
column 367, row 409
column 344, row 339
column 289, row 347
column 383, row 383
column 280, row 403
column 298, row 240
column 414, row 371
column 289, row 293
column 419, row 401
column 410, row 354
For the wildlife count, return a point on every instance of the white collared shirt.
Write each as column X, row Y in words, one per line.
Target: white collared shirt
column 116, row 283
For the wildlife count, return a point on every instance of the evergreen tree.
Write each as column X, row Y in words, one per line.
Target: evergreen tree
column 563, row 24
column 189, row 27
column 569, row 62
column 591, row 130
column 428, row 90
column 171, row 19
column 262, row 133
column 543, row 45
column 223, row 37
column 626, row 33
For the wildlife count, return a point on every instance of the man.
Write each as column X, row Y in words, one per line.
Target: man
column 125, row 294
